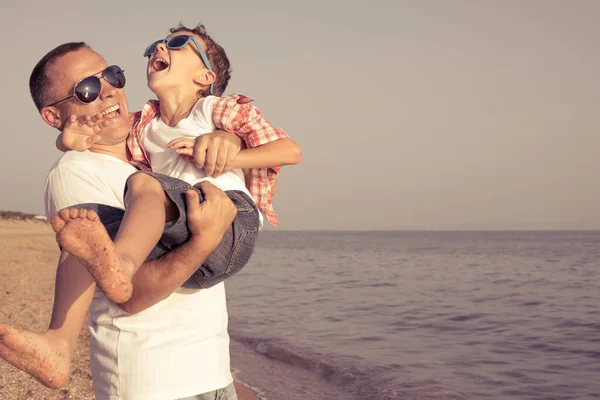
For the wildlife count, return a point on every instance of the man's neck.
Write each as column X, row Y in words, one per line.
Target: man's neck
column 118, row 150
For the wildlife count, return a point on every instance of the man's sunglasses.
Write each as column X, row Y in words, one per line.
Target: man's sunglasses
column 177, row 43
column 88, row 89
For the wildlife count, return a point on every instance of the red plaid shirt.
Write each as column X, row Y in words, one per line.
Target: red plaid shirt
column 235, row 114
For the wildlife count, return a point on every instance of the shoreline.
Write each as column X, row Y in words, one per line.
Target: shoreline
column 28, row 259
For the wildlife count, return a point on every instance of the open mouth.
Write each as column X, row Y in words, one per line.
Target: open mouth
column 159, row 64
column 111, row 112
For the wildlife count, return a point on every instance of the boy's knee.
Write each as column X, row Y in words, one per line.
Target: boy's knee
column 145, row 182
column 143, row 185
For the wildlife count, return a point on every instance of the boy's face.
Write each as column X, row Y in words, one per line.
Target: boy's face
column 181, row 70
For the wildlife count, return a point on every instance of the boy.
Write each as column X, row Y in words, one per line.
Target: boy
column 181, row 74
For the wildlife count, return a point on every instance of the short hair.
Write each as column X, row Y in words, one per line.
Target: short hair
column 217, row 57
column 39, row 81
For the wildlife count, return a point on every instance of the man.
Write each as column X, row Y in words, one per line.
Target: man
column 178, row 346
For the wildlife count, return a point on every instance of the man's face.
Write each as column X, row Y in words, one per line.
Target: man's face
column 176, row 69
column 71, row 68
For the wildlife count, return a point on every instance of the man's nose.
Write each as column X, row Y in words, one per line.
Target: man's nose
column 107, row 90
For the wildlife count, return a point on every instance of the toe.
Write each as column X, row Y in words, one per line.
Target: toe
column 92, row 215
column 65, row 214
column 57, row 222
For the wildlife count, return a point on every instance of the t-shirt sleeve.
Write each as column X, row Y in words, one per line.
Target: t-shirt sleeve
column 70, row 184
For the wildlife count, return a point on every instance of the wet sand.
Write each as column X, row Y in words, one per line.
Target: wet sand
column 28, row 257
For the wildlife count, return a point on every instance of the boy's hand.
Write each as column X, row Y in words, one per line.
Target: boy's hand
column 81, row 133
column 215, row 151
column 209, row 220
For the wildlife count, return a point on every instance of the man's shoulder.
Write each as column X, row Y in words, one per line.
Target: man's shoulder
column 69, row 158
column 85, row 177
column 89, row 163
column 69, row 165
column 74, row 159
column 74, row 156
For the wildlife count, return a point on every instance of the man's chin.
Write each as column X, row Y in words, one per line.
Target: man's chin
column 116, row 126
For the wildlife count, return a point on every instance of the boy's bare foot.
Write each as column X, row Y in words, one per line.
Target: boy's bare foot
column 36, row 354
column 81, row 233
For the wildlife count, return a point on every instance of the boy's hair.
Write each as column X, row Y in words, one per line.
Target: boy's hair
column 217, row 57
column 39, row 82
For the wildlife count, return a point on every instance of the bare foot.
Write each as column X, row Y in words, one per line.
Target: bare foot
column 46, row 360
column 81, row 233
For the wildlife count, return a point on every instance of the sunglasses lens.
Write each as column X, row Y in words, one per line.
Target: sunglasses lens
column 151, row 49
column 88, row 89
column 177, row 42
column 115, row 76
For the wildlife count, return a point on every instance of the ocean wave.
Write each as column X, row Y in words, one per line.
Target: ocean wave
column 348, row 373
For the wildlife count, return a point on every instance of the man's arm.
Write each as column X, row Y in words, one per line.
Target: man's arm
column 208, row 222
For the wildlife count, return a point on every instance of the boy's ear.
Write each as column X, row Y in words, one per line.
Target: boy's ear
column 51, row 116
column 206, row 78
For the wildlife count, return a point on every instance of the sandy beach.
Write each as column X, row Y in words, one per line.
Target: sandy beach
column 28, row 257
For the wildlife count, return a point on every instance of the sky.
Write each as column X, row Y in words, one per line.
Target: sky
column 425, row 114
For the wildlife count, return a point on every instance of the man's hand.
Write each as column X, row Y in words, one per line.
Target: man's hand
column 81, row 133
column 215, row 151
column 209, row 220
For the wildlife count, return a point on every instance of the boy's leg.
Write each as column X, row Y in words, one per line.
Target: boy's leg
column 112, row 265
column 147, row 210
column 233, row 253
column 237, row 244
column 47, row 355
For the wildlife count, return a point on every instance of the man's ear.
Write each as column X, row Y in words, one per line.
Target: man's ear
column 206, row 78
column 51, row 116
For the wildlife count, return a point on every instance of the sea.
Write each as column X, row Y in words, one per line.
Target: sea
column 418, row 315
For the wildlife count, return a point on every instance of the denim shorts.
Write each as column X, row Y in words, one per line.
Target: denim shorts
column 226, row 393
column 232, row 254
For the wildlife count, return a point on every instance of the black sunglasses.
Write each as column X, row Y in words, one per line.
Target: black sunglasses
column 88, row 89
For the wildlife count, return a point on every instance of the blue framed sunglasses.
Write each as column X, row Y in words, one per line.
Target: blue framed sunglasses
column 177, row 43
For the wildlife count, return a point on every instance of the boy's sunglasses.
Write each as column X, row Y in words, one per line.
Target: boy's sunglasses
column 88, row 89
column 177, row 43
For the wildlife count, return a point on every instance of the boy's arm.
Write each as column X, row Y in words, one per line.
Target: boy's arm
column 266, row 146
column 214, row 151
column 273, row 154
column 208, row 221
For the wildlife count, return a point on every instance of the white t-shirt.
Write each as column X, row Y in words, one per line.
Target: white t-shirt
column 165, row 161
column 176, row 348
